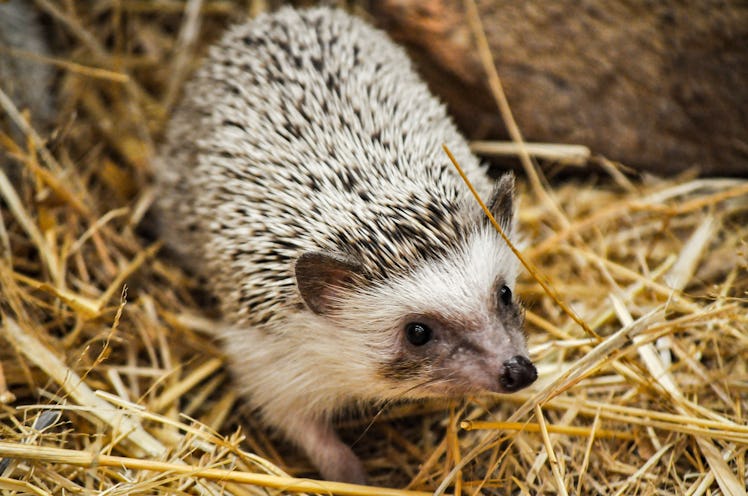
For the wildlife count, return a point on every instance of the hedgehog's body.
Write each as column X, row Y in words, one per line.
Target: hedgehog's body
column 304, row 177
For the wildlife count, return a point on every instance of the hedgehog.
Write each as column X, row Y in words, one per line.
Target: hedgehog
column 302, row 178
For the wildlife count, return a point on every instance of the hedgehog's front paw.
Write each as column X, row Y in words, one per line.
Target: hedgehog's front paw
column 342, row 465
column 333, row 458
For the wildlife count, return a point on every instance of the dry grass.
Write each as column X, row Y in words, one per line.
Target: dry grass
column 107, row 382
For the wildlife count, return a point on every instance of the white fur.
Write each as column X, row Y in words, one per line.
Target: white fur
column 314, row 366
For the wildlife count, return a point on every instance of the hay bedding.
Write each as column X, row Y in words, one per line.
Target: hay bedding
column 107, row 383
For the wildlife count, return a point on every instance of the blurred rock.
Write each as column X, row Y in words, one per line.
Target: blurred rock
column 662, row 86
column 27, row 82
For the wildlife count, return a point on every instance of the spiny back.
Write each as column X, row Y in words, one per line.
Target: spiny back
column 308, row 131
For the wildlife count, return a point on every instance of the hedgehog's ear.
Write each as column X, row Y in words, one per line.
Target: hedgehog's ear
column 323, row 279
column 501, row 202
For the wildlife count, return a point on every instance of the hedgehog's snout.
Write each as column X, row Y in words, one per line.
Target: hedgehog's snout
column 518, row 372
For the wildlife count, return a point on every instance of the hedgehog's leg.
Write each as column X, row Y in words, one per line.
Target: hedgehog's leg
column 333, row 458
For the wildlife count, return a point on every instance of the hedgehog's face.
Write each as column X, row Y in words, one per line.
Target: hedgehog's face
column 468, row 339
column 456, row 327
column 450, row 327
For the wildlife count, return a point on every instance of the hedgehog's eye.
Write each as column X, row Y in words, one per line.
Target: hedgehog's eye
column 506, row 295
column 418, row 334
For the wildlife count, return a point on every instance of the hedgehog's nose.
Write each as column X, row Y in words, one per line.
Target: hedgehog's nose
column 518, row 372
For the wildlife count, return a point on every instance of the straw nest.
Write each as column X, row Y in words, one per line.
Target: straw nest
column 637, row 318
